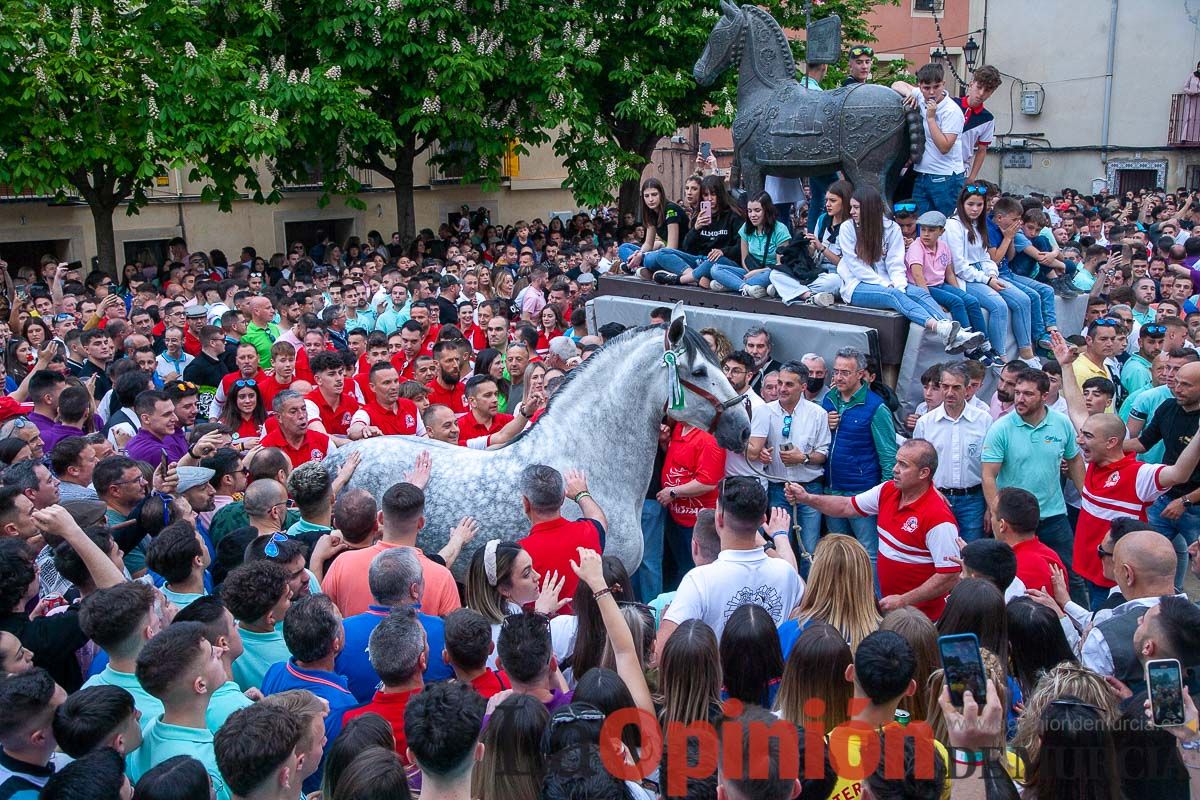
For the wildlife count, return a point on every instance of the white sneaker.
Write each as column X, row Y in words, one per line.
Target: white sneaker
column 947, row 329
column 757, row 292
column 771, row 292
column 717, row 286
column 967, row 340
column 823, row 299
column 1033, row 361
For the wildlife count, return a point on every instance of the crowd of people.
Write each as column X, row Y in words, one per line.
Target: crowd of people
column 199, row 607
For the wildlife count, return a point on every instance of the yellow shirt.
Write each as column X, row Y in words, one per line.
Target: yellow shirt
column 1084, row 369
column 845, row 754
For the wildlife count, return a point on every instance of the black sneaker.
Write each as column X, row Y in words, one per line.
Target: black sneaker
column 666, row 278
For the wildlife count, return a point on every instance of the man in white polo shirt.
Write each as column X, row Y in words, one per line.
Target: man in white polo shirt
column 791, row 437
column 940, row 170
column 743, row 572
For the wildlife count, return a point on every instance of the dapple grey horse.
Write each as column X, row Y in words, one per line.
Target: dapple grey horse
column 783, row 129
column 604, row 420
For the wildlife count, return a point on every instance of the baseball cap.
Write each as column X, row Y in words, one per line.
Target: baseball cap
column 932, row 219
column 191, row 477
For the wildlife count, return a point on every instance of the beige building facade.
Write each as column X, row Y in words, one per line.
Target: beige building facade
column 1092, row 93
column 31, row 226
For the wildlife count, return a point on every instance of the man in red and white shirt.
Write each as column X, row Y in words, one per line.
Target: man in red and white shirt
column 410, row 347
column 483, row 417
column 918, row 534
column 387, row 414
column 299, row 443
column 692, row 468
column 553, row 542
column 246, row 359
column 330, row 406
column 446, row 388
column 377, row 352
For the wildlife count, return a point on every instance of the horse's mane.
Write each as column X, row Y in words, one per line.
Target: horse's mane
column 692, row 344
column 776, row 31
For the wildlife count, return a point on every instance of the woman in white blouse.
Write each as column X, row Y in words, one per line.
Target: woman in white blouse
column 874, row 275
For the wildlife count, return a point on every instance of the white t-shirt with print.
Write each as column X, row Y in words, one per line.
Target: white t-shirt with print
column 711, row 593
column 950, row 120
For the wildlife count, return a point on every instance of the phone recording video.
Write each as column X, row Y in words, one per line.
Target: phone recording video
column 1164, row 682
column 963, row 667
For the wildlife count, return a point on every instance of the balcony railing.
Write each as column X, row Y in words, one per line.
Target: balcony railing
column 314, row 181
column 1184, row 126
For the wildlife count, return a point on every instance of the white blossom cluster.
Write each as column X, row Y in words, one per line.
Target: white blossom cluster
column 148, row 82
column 431, row 105
column 189, row 50
column 152, row 107
column 333, row 73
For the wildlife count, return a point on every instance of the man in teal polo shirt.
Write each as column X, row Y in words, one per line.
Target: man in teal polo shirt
column 261, row 332
column 220, row 629
column 1025, row 448
column 120, row 620
column 182, row 669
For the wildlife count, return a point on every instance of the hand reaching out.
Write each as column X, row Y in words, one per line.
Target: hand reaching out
column 418, row 476
column 590, row 569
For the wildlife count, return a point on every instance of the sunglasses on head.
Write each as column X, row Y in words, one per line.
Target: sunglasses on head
column 272, row 548
column 244, row 382
column 861, row 50
column 904, row 206
column 1154, row 330
column 973, row 189
column 1106, row 322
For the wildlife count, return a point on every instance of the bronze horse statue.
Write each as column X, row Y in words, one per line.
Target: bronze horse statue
column 783, row 129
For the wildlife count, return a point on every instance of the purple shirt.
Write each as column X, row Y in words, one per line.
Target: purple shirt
column 42, row 423
column 57, row 432
column 145, row 446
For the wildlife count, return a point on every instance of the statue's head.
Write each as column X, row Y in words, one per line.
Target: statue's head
column 723, row 47
column 708, row 401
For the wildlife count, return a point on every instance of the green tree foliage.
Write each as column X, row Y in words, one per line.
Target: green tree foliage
column 638, row 86
column 99, row 97
column 458, row 79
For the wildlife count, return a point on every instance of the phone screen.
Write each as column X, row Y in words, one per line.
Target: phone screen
column 706, row 149
column 705, row 206
column 963, row 667
column 1164, row 680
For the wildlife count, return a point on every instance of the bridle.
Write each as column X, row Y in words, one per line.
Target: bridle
column 719, row 407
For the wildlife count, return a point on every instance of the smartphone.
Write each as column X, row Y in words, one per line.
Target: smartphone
column 962, row 667
column 706, row 207
column 1164, row 681
column 165, row 465
column 706, row 149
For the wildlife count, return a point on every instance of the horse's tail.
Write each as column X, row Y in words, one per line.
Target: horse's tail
column 916, row 133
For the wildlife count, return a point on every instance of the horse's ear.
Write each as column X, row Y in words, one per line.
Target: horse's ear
column 729, row 9
column 676, row 326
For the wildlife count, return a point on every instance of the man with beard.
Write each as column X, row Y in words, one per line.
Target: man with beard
column 483, row 425
column 757, row 342
column 446, row 388
column 387, row 414
column 1002, row 401
column 1025, row 449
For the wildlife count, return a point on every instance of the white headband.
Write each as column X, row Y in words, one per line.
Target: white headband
column 489, row 560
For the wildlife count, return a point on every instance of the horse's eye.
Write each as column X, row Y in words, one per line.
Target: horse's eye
column 700, row 372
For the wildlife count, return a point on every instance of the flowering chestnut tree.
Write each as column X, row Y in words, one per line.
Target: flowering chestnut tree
column 99, row 97
column 463, row 80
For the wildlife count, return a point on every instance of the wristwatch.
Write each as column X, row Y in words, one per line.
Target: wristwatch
column 805, row 458
column 671, row 493
column 1187, row 503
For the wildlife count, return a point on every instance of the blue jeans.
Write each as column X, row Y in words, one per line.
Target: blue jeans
column 650, row 259
column 808, row 518
column 734, row 277
column 869, row 295
column 1097, row 594
column 817, row 186
column 648, row 580
column 961, row 306
column 675, row 261
column 1043, row 297
column 938, row 192
column 678, row 539
column 1037, row 326
column 1182, row 532
column 926, row 301
column 969, row 510
column 865, row 529
column 994, row 304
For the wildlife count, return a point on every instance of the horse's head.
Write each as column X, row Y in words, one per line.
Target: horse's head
column 724, row 45
column 703, row 396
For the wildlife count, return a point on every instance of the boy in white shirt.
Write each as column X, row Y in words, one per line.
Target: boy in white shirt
column 940, row 170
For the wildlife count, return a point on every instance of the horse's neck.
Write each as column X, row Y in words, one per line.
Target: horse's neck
column 754, row 74
column 610, row 410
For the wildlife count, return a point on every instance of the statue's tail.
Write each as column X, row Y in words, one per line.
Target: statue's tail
column 916, row 133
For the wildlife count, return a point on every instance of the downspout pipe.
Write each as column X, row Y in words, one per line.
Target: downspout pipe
column 1108, row 80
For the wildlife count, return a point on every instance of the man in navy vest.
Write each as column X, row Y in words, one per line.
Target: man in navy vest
column 863, row 448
